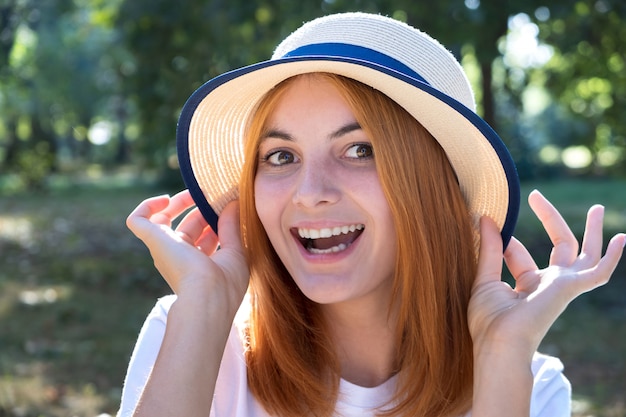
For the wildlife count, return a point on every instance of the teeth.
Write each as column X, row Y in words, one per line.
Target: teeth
column 327, row 232
column 334, row 249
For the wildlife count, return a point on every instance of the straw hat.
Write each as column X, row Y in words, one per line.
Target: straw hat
column 404, row 63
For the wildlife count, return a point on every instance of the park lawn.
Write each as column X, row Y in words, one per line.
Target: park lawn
column 75, row 287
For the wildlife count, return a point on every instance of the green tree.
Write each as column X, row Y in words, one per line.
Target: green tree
column 29, row 145
column 178, row 47
column 587, row 75
column 62, row 66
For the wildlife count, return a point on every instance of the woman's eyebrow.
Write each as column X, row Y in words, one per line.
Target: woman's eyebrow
column 350, row 127
column 344, row 130
column 278, row 134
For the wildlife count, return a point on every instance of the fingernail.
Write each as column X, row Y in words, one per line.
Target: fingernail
column 535, row 192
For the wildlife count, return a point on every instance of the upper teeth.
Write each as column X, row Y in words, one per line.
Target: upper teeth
column 328, row 232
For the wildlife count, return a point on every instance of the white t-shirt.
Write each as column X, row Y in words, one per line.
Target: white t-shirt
column 550, row 397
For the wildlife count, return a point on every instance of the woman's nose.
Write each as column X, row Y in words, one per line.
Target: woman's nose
column 316, row 184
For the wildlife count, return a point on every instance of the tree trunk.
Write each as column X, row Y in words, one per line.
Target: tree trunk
column 12, row 148
column 488, row 98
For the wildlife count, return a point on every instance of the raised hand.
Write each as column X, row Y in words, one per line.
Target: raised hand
column 518, row 319
column 186, row 256
column 210, row 285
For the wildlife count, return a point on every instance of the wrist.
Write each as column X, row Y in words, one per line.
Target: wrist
column 209, row 296
column 213, row 305
column 503, row 381
column 503, row 350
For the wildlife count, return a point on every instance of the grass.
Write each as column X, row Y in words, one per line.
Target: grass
column 75, row 287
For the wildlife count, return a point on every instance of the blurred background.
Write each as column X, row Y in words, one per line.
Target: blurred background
column 90, row 92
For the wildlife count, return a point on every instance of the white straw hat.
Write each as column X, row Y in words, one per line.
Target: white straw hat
column 404, row 63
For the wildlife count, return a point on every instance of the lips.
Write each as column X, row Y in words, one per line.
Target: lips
column 328, row 240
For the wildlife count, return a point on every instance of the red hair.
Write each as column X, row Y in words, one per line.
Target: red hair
column 293, row 368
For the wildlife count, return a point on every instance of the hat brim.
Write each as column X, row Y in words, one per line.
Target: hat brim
column 212, row 124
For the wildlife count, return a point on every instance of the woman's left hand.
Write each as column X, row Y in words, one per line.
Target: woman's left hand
column 502, row 318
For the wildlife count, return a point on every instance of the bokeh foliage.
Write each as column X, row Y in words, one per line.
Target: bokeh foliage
column 102, row 81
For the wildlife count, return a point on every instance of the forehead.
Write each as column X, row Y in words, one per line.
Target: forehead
column 308, row 100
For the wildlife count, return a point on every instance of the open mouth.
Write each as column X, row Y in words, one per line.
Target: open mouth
column 328, row 240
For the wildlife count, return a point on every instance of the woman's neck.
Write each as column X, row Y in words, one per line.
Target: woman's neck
column 365, row 337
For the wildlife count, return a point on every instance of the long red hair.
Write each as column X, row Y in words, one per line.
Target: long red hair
column 292, row 365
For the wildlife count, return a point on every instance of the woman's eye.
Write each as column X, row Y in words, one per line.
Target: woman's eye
column 360, row 151
column 280, row 158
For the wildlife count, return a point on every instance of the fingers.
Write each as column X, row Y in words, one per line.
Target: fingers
column 194, row 229
column 160, row 210
column 589, row 269
column 591, row 251
column 518, row 260
column 177, row 206
column 490, row 256
column 192, row 226
column 565, row 250
column 565, row 244
column 601, row 273
column 615, row 249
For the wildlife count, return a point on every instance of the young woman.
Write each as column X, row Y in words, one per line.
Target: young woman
column 363, row 211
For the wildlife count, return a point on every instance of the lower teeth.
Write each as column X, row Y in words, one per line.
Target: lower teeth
column 340, row 247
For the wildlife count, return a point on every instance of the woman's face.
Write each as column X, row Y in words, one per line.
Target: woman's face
column 318, row 196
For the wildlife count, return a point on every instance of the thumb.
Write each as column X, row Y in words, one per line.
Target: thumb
column 490, row 256
column 230, row 257
column 228, row 226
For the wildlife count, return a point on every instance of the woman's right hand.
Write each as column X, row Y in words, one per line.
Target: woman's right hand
column 187, row 256
column 210, row 285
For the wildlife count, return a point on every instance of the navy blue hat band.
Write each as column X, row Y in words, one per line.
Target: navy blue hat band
column 342, row 50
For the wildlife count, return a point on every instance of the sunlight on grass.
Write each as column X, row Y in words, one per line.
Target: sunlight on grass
column 44, row 295
column 22, row 394
column 583, row 407
column 17, row 229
